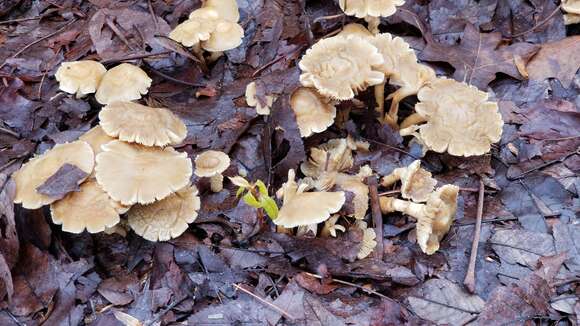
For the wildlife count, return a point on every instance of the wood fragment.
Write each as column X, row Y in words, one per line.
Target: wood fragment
column 469, row 281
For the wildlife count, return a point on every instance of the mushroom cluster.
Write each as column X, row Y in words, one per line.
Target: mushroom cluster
column 124, row 82
column 434, row 209
column 213, row 27
column 123, row 165
column 572, row 11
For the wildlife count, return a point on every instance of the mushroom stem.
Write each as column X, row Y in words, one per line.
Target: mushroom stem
column 217, row 182
column 392, row 178
column 281, row 229
column 396, row 98
column 380, row 99
column 198, row 52
column 373, row 24
column 214, row 56
column 390, row 204
column 413, row 119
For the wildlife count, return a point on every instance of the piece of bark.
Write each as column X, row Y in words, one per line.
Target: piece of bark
column 66, row 179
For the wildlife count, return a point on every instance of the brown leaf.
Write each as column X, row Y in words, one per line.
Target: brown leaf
column 313, row 284
column 479, row 56
column 557, row 60
column 66, row 179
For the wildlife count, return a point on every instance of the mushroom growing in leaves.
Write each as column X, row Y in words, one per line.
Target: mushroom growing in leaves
column 459, row 119
column 226, row 36
column 314, row 113
column 197, row 28
column 123, row 83
column 90, row 208
column 369, row 242
column 339, row 67
column 38, row 170
column 136, row 123
column 373, row 8
column 252, row 100
column 80, row 77
column 132, row 173
column 416, row 183
column 96, row 137
column 168, row 218
column 227, row 9
column 434, row 218
column 212, row 164
column 305, row 208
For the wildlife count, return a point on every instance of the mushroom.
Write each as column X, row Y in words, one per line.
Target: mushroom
column 132, row 173
column 305, row 208
column 314, row 113
column 35, row 173
column 339, row 67
column 212, row 164
column 168, row 218
column 434, row 218
column 416, row 183
column 572, row 11
column 331, row 227
column 123, row 83
column 80, row 77
column 226, row 36
column 459, row 119
column 90, row 208
column 96, row 137
column 334, row 155
column 369, row 242
column 136, row 123
column 373, row 8
column 252, row 100
column 354, row 29
column 227, row 9
column 201, row 23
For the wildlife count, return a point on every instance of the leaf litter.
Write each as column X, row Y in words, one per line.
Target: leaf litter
column 528, row 259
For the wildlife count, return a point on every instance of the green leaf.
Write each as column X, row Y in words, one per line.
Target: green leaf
column 269, row 205
column 262, row 188
column 251, row 200
column 240, row 182
column 240, row 191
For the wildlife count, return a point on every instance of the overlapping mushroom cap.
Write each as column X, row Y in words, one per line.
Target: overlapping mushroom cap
column 369, row 242
column 228, row 9
column 339, row 67
column 571, row 6
column 96, row 138
column 438, row 216
column 416, row 183
column 226, row 36
column 168, row 218
column 197, row 28
column 132, row 173
column 460, row 119
column 252, row 99
column 80, row 77
column 136, row 123
column 373, row 8
column 305, row 208
column 34, row 173
column 123, row 83
column 334, row 155
column 411, row 76
column 395, row 52
column 314, row 113
column 90, row 208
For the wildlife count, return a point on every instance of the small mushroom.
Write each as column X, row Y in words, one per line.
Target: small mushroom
column 252, row 100
column 212, row 164
column 369, row 242
column 136, row 123
column 571, row 11
column 96, row 137
column 35, row 173
column 416, row 183
column 331, row 227
column 227, row 9
column 334, row 155
column 354, row 29
column 132, row 173
column 168, row 218
column 305, row 208
column 226, row 36
column 314, row 113
column 339, row 67
column 197, row 28
column 434, row 218
column 80, row 77
column 89, row 208
column 373, row 8
column 459, row 119
column 123, row 83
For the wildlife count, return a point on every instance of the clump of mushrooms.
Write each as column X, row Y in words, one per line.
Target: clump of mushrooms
column 80, row 77
column 332, row 156
column 416, row 183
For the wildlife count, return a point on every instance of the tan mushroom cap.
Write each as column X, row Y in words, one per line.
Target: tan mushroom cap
column 331, row 227
column 571, row 6
column 227, row 9
column 416, row 183
column 35, row 173
column 132, row 173
column 339, row 67
column 460, row 119
column 194, row 30
column 168, row 218
column 354, row 29
column 438, row 216
column 136, row 123
column 373, row 8
column 411, row 76
column 90, row 208
column 305, row 208
column 252, row 100
column 226, row 36
column 211, row 163
column 123, row 83
column 395, row 52
column 96, row 137
column 570, row 19
column 369, row 242
column 80, row 77
column 339, row 155
column 314, row 113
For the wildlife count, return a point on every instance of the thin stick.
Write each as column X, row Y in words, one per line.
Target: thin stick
column 23, row 19
column 469, row 281
column 540, row 23
column 360, row 287
column 135, row 57
column 19, row 52
column 271, row 305
column 377, row 216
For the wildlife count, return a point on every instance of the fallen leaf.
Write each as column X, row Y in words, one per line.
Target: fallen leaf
column 66, row 179
column 567, row 239
column 479, row 56
column 313, row 284
column 521, row 246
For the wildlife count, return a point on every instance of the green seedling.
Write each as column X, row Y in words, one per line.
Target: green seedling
column 256, row 195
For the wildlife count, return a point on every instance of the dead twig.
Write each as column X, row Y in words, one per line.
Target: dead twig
column 540, row 24
column 469, row 281
column 377, row 216
column 269, row 304
column 135, row 57
column 491, row 220
column 175, row 80
column 544, row 165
